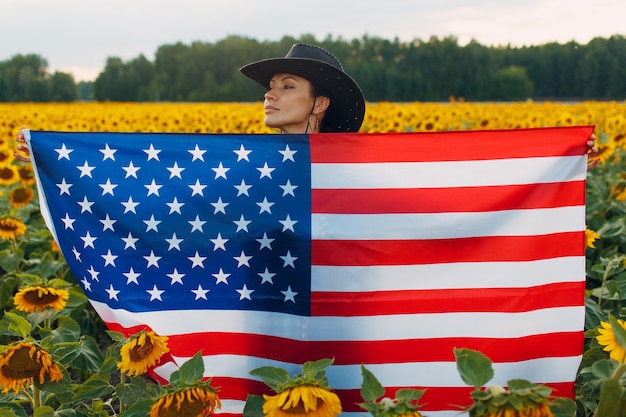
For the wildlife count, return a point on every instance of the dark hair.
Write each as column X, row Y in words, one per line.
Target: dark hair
column 329, row 114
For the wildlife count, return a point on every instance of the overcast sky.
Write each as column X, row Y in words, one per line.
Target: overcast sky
column 77, row 36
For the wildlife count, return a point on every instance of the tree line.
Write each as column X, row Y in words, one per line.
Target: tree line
column 386, row 70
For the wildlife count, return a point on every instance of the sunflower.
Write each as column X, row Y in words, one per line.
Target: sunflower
column 38, row 298
column 11, row 228
column 608, row 339
column 199, row 401
column 303, row 400
column 22, row 362
column 21, row 196
column 9, row 175
column 26, row 174
column 536, row 410
column 141, row 352
column 591, row 237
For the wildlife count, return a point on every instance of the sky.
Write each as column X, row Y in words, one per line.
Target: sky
column 77, row 36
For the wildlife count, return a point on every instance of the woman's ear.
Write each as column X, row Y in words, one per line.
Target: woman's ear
column 321, row 104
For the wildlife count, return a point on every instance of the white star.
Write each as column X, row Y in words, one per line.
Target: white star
column 245, row 293
column 220, row 171
column 130, row 241
column 265, row 206
column 131, row 170
column 242, row 224
column 243, row 188
column 174, row 242
column 219, row 242
column 289, row 295
column 289, row 260
column 153, row 188
column 266, row 171
column 197, row 260
column 86, row 284
column 85, row 170
column 266, row 276
column 108, row 223
column 288, row 188
column 88, row 239
column 151, row 224
column 64, row 187
column 176, row 277
column 175, row 206
column 265, row 242
column 197, row 188
column 76, row 254
column 152, row 260
column 242, row 153
column 155, row 293
column 242, row 259
column 108, row 152
column 152, row 153
column 175, row 171
column 288, row 154
column 107, row 188
column 219, row 206
column 200, row 292
column 109, row 258
column 197, row 154
column 64, row 152
column 131, row 276
column 94, row 274
column 130, row 205
column 221, row 277
column 197, row 224
column 112, row 293
column 288, row 224
column 85, row 205
column 69, row 222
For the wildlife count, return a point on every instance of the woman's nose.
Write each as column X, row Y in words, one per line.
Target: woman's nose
column 269, row 95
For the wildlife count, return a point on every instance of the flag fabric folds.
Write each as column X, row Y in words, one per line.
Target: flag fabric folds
column 387, row 250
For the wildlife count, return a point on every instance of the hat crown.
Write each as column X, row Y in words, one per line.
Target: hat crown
column 306, row 51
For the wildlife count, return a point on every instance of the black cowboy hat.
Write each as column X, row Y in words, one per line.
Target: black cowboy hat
column 326, row 73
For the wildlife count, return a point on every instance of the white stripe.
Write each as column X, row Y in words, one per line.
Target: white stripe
column 431, row 374
column 389, row 327
column 448, row 276
column 448, row 174
column 447, row 225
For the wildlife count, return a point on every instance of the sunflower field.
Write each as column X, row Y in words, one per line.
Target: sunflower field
column 57, row 359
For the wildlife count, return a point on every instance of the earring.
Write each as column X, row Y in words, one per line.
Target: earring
column 317, row 123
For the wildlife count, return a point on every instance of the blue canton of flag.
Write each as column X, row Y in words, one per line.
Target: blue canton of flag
column 235, row 235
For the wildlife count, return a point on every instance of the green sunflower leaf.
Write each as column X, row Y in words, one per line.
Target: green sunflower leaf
column 371, row 388
column 15, row 325
column 619, row 332
column 611, row 403
column 313, row 369
column 275, row 378
column 254, row 406
column 474, row 367
column 563, row 407
column 191, row 371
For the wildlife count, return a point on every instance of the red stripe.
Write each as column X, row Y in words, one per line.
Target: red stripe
column 505, row 300
column 437, row 200
column 562, row 344
column 448, row 146
column 439, row 398
column 474, row 249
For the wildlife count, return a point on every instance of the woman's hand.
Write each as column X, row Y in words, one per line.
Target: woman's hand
column 22, row 154
column 592, row 152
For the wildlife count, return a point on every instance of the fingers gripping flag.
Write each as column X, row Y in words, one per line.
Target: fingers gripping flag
column 386, row 250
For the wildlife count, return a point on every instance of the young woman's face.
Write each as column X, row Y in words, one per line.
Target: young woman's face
column 288, row 103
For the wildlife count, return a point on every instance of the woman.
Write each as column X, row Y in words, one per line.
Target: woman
column 308, row 92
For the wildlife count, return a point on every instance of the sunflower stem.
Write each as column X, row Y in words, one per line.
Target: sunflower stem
column 36, row 397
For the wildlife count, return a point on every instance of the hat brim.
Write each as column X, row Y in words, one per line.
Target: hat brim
column 345, row 94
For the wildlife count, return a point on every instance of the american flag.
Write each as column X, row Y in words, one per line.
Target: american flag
column 386, row 250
